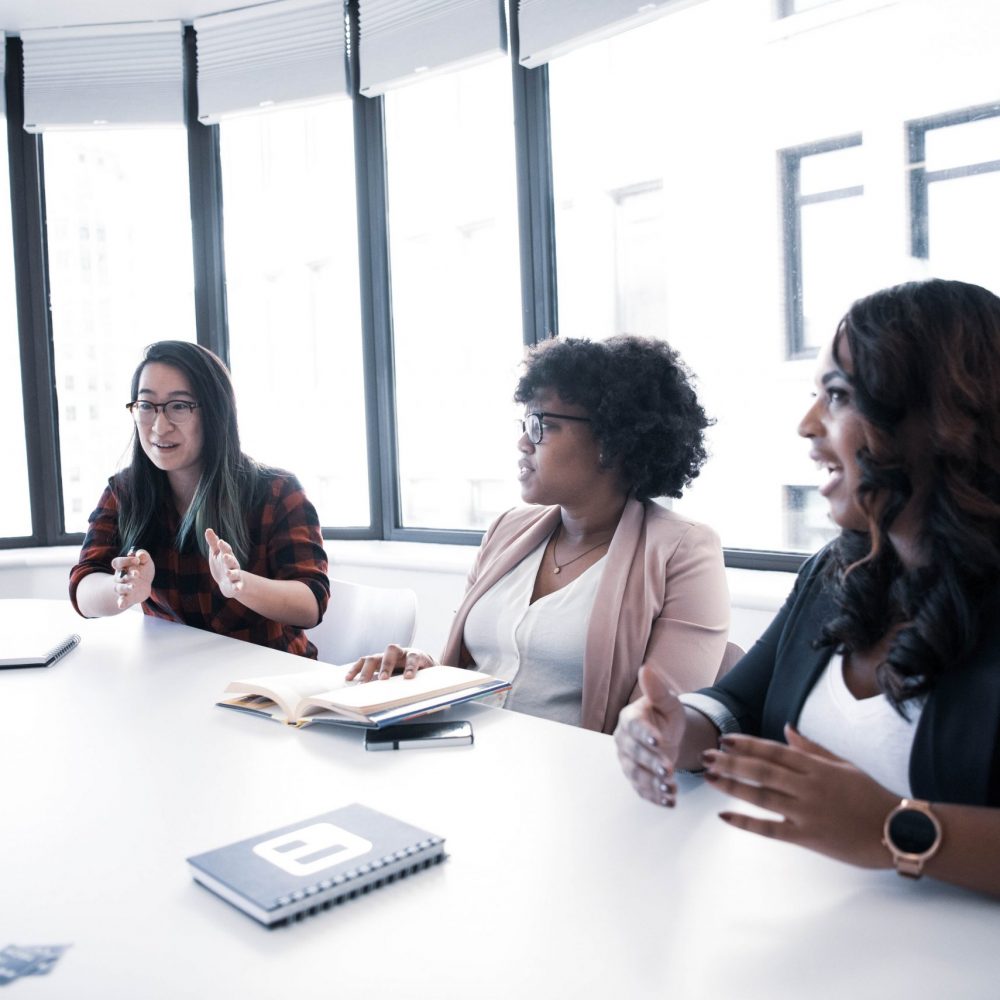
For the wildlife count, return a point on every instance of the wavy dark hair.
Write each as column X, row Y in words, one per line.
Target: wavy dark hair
column 642, row 406
column 229, row 479
column 925, row 360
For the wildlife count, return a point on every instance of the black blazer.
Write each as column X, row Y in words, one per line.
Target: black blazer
column 956, row 746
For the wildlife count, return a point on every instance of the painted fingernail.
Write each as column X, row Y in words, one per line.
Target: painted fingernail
column 727, row 743
column 650, row 741
column 663, row 787
column 710, row 776
column 708, row 757
column 661, row 771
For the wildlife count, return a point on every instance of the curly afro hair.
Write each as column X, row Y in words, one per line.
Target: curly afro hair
column 638, row 394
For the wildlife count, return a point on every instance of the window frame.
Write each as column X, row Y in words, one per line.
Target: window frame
column 919, row 177
column 792, row 202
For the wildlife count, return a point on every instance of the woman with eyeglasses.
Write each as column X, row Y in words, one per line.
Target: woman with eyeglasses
column 867, row 717
column 572, row 593
column 194, row 530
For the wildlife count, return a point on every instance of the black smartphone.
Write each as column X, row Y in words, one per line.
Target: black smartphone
column 414, row 735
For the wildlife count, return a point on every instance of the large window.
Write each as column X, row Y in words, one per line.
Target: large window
column 723, row 177
column 15, row 508
column 291, row 253
column 119, row 245
column 770, row 193
column 955, row 194
column 455, row 295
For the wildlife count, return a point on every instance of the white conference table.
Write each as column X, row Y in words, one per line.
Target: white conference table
column 116, row 766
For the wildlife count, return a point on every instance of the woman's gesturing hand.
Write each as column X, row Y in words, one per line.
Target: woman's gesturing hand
column 826, row 804
column 648, row 739
column 223, row 565
column 381, row 666
column 133, row 578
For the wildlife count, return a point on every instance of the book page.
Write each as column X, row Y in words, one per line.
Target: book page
column 398, row 690
column 290, row 691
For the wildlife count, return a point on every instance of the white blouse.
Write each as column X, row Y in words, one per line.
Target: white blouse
column 868, row 732
column 537, row 647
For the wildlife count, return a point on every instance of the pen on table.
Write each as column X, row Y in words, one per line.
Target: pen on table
column 121, row 573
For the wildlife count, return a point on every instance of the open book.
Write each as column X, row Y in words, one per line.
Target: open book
column 323, row 695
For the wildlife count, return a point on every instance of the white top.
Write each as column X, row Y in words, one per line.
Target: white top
column 868, row 732
column 537, row 647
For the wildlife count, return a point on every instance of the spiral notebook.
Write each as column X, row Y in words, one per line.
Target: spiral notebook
column 28, row 651
column 312, row 865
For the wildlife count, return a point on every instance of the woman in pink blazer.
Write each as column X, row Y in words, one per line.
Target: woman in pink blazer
column 572, row 594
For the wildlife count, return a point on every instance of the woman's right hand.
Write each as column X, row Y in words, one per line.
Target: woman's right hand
column 648, row 739
column 381, row 666
column 133, row 575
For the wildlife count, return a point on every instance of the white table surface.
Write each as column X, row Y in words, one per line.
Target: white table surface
column 116, row 765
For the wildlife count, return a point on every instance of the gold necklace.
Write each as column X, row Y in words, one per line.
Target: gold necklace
column 556, row 567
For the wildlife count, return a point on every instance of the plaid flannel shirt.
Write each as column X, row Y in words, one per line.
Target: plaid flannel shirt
column 285, row 544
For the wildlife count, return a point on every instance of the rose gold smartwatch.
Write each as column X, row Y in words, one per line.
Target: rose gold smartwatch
column 913, row 835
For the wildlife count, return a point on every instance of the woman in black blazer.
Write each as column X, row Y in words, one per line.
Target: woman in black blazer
column 868, row 714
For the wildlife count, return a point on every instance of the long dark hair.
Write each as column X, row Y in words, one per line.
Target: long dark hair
column 926, row 377
column 229, row 479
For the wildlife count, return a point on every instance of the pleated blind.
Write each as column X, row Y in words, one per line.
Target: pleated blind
column 550, row 28
column 402, row 40
column 276, row 53
column 104, row 75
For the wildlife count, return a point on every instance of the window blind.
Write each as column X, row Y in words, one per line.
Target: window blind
column 401, row 40
column 107, row 74
column 275, row 53
column 550, row 28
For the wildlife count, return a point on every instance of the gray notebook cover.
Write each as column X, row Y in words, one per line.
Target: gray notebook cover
column 315, row 863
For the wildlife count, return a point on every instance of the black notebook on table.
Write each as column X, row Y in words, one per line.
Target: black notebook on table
column 313, row 864
column 31, row 651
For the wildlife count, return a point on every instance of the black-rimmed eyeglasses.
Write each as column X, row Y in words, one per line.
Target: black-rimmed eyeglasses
column 177, row 411
column 532, row 424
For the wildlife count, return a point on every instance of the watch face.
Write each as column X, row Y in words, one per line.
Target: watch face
column 912, row 831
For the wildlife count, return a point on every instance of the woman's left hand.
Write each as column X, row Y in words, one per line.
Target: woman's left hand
column 827, row 804
column 223, row 565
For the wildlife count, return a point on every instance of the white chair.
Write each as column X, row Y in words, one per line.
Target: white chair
column 732, row 655
column 360, row 619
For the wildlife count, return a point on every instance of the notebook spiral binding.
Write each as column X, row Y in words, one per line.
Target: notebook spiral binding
column 67, row 645
column 331, row 892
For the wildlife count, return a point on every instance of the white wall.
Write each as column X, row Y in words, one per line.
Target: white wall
column 436, row 572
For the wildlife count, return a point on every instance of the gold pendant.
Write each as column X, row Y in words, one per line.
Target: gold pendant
column 556, row 570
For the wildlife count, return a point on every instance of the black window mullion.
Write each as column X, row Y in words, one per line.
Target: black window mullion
column 535, row 202
column 376, row 308
column 38, row 383
column 205, row 182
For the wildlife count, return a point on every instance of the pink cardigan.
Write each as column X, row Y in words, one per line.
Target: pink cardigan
column 662, row 600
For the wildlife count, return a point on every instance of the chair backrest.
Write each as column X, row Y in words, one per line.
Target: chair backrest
column 730, row 658
column 361, row 619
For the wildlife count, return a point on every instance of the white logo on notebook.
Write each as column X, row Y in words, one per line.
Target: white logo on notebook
column 313, row 848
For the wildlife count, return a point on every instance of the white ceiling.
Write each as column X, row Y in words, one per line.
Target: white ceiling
column 18, row 14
